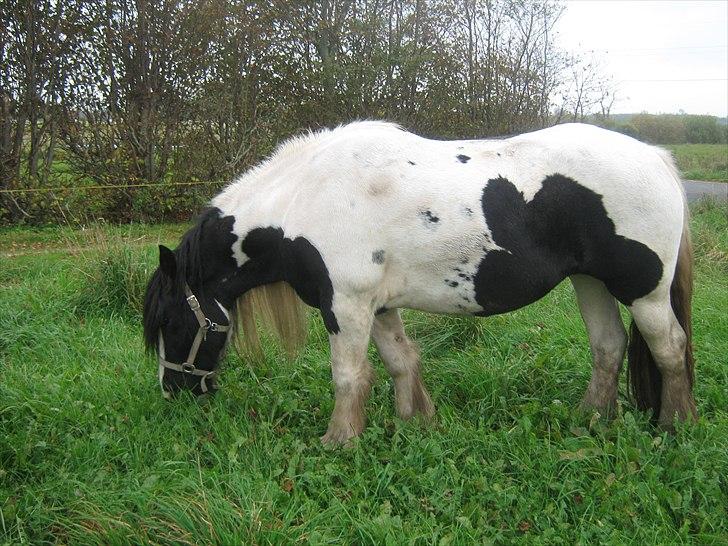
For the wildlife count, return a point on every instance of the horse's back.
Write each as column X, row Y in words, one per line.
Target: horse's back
column 489, row 226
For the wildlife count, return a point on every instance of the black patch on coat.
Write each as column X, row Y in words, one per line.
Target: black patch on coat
column 562, row 231
column 295, row 261
column 411, row 162
column 429, row 217
column 463, row 158
column 451, row 283
column 378, row 257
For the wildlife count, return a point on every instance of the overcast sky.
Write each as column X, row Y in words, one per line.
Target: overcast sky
column 664, row 56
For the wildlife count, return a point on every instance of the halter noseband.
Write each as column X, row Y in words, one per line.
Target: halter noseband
column 205, row 325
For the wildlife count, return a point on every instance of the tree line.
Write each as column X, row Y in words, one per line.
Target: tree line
column 145, row 92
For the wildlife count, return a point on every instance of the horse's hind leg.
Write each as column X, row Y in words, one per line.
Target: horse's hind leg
column 667, row 341
column 402, row 360
column 351, row 371
column 607, row 340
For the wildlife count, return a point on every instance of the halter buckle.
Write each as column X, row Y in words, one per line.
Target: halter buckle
column 187, row 367
column 211, row 326
column 193, row 303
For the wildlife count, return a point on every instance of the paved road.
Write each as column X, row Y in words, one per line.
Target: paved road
column 695, row 190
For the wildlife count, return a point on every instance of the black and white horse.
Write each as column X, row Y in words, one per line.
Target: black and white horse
column 365, row 219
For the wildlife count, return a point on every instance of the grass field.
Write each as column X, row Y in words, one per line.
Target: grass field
column 90, row 453
column 702, row 161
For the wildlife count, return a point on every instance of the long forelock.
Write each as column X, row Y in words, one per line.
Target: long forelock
column 152, row 319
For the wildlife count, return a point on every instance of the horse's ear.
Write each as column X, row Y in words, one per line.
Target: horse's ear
column 167, row 262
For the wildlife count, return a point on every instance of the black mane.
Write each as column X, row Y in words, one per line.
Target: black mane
column 189, row 270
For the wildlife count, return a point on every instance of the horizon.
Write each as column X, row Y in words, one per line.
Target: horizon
column 612, row 114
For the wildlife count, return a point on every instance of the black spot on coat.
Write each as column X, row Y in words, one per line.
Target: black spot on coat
column 429, row 217
column 463, row 158
column 563, row 231
column 411, row 162
column 378, row 256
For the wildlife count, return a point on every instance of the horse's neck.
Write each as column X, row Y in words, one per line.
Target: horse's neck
column 226, row 258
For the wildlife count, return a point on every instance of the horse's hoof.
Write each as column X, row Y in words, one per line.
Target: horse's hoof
column 685, row 412
column 338, row 436
column 605, row 410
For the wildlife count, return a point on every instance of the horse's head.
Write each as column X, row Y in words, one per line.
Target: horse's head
column 186, row 326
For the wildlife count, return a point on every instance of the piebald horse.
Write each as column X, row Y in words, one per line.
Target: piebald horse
column 365, row 219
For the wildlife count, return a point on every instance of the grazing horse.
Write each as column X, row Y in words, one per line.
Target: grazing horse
column 365, row 219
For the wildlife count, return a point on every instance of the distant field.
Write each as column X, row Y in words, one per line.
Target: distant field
column 90, row 453
column 701, row 161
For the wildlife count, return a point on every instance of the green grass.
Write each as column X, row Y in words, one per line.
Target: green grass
column 90, row 453
column 702, row 161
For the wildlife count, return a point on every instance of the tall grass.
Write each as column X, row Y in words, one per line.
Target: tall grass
column 114, row 273
column 116, row 282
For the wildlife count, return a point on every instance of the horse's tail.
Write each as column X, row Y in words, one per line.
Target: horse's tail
column 280, row 310
column 644, row 380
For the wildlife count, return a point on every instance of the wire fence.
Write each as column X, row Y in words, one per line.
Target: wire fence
column 115, row 202
column 106, row 187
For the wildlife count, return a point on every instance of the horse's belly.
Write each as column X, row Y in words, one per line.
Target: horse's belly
column 467, row 273
column 488, row 284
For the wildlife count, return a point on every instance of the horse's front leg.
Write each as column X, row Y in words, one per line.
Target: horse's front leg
column 351, row 371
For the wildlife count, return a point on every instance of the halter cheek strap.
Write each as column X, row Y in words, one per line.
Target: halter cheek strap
column 205, row 325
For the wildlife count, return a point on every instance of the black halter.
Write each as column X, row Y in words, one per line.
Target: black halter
column 205, row 325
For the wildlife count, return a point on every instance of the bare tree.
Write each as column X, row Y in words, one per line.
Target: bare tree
column 145, row 91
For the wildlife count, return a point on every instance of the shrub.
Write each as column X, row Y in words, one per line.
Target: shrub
column 115, row 277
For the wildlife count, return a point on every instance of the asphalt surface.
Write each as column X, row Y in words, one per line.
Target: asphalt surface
column 696, row 190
